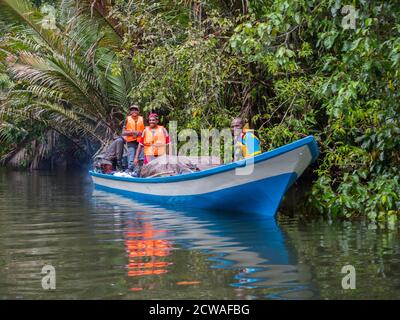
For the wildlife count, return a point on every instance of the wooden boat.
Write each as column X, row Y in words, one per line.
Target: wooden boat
column 254, row 185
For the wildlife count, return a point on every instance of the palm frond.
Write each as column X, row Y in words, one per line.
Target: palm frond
column 23, row 10
column 70, row 80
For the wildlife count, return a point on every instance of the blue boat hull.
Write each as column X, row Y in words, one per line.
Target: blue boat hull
column 222, row 188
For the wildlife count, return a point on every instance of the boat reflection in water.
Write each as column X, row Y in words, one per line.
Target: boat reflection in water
column 144, row 251
column 252, row 248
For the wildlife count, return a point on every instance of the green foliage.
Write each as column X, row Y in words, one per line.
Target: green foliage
column 184, row 66
column 344, row 85
column 288, row 67
column 65, row 78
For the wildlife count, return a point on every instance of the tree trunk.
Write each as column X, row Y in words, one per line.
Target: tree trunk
column 103, row 7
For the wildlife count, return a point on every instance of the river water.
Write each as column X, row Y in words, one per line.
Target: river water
column 105, row 246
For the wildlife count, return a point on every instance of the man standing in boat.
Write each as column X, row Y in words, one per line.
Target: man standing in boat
column 132, row 132
column 246, row 144
column 154, row 141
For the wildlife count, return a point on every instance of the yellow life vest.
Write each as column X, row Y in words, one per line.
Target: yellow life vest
column 246, row 151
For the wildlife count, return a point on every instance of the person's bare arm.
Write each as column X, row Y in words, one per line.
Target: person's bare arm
column 139, row 149
column 168, row 138
column 130, row 133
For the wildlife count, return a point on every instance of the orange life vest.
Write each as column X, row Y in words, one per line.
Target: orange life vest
column 136, row 125
column 154, row 144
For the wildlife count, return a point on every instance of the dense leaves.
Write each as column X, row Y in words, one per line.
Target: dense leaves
column 291, row 68
column 349, row 81
column 63, row 80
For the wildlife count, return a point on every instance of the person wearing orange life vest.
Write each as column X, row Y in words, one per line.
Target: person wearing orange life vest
column 155, row 140
column 132, row 131
column 246, row 143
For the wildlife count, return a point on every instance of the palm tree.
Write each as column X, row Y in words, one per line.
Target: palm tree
column 68, row 78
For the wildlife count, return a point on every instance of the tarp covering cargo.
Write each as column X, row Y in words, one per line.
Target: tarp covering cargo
column 169, row 165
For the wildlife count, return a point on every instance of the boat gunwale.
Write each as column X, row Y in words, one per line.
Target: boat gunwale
column 308, row 141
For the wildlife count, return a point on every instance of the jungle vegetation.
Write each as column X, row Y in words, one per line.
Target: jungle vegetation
column 291, row 68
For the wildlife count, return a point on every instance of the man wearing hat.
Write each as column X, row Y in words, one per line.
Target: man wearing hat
column 132, row 132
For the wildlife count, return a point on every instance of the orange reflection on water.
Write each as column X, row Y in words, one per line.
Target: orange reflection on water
column 145, row 252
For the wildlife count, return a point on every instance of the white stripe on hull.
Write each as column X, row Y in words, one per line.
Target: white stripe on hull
column 293, row 161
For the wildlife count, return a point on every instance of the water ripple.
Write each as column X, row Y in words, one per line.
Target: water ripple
column 104, row 246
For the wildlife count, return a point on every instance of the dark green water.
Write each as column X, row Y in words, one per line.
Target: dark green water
column 104, row 246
